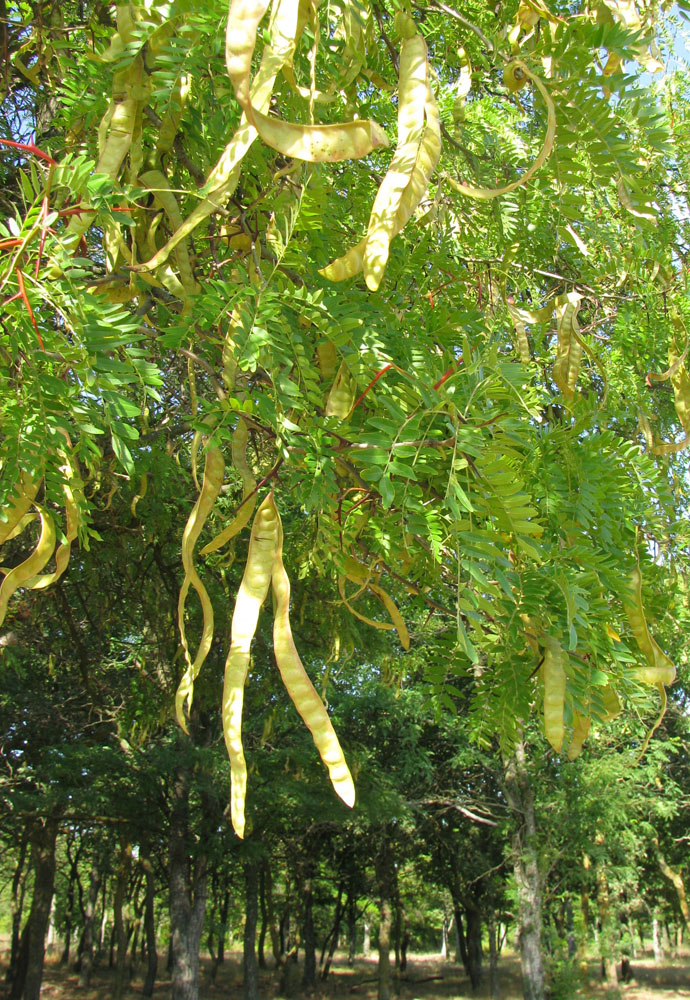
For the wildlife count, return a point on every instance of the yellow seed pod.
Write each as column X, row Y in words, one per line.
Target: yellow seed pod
column 566, row 367
column 327, row 356
column 554, row 676
column 300, row 688
column 22, row 574
column 405, row 25
column 514, row 77
column 581, row 727
column 411, row 115
column 342, row 394
column 243, row 516
column 660, row 669
column 15, row 511
column 213, row 480
column 263, row 544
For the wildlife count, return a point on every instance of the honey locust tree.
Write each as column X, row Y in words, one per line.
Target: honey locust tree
column 418, row 270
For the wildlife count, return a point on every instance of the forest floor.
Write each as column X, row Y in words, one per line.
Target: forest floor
column 428, row 977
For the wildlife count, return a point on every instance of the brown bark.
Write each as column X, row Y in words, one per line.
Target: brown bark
column 86, row 949
column 121, row 885
column 187, row 882
column 677, row 880
column 520, row 798
column 385, row 879
column 29, row 971
column 251, row 973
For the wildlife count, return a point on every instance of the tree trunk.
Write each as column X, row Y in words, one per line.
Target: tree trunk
column 273, row 928
column 606, row 932
column 308, row 934
column 460, row 941
column 86, row 950
column 121, row 885
column 366, row 943
column 351, row 927
column 251, row 973
column 493, row 959
column 332, row 937
column 520, row 798
column 677, row 880
column 264, row 917
column 187, row 894
column 150, row 929
column 385, row 878
column 29, row 969
column 473, row 919
column 570, row 929
column 17, row 904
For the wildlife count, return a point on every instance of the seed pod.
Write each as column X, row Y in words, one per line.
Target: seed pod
column 581, row 727
column 566, row 367
column 252, row 593
column 13, row 514
column 22, row 574
column 300, row 688
column 553, row 673
column 243, row 516
column 411, row 103
column 514, row 77
column 486, row 194
column 342, row 394
column 63, row 551
column 659, row 669
column 213, row 480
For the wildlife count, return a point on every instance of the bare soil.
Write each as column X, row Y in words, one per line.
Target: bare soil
column 428, row 977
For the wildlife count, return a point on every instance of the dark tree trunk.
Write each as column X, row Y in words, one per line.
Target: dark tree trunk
column 332, row 937
column 223, row 926
column 29, row 969
column 385, row 879
column 308, row 935
column 187, row 894
column 493, row 958
column 264, row 917
column 474, row 941
column 150, row 929
column 273, row 928
column 121, row 885
column 461, row 949
column 251, row 972
column 351, row 926
column 86, row 950
column 17, row 904
column 606, row 931
column 520, row 797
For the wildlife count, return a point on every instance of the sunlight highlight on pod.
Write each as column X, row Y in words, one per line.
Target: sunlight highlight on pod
column 264, row 567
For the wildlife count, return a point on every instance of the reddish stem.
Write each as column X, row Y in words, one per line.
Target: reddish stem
column 44, row 216
column 372, row 384
column 22, row 292
column 29, row 148
column 447, row 375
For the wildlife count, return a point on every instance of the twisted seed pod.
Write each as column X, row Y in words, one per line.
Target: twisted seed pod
column 213, row 480
column 251, row 595
column 581, row 727
column 14, row 513
column 243, row 517
column 342, row 394
column 25, row 571
column 300, row 688
column 660, row 669
column 411, row 104
column 486, row 194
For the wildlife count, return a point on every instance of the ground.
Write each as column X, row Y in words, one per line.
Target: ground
column 428, row 978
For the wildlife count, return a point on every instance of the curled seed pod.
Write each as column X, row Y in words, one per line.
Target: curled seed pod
column 300, row 688
column 485, row 194
column 514, row 77
column 243, row 516
column 213, row 480
column 63, row 551
column 251, row 595
column 660, row 669
column 13, row 514
column 22, row 574
column 553, row 673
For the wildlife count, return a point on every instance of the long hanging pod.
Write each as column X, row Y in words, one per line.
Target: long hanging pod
column 263, row 544
column 300, row 688
column 213, row 480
